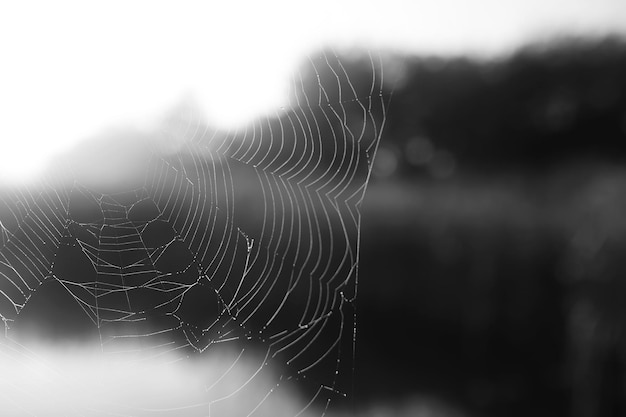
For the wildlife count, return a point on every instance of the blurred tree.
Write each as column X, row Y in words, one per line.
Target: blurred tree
column 545, row 104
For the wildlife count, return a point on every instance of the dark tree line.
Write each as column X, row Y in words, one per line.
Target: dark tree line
column 543, row 105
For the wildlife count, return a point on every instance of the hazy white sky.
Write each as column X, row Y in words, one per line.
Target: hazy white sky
column 71, row 68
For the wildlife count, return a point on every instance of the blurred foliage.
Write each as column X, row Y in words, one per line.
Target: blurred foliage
column 494, row 234
column 542, row 105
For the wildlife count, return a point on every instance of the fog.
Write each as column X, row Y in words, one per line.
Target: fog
column 408, row 208
column 72, row 70
column 77, row 379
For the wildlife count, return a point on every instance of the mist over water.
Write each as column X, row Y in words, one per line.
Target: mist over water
column 77, row 379
column 72, row 378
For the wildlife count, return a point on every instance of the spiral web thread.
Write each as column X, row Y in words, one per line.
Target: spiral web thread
column 244, row 241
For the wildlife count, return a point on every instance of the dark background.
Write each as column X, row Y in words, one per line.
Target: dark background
column 493, row 235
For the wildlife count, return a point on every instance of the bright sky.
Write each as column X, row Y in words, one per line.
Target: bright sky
column 70, row 68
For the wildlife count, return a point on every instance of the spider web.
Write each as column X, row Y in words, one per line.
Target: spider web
column 232, row 245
